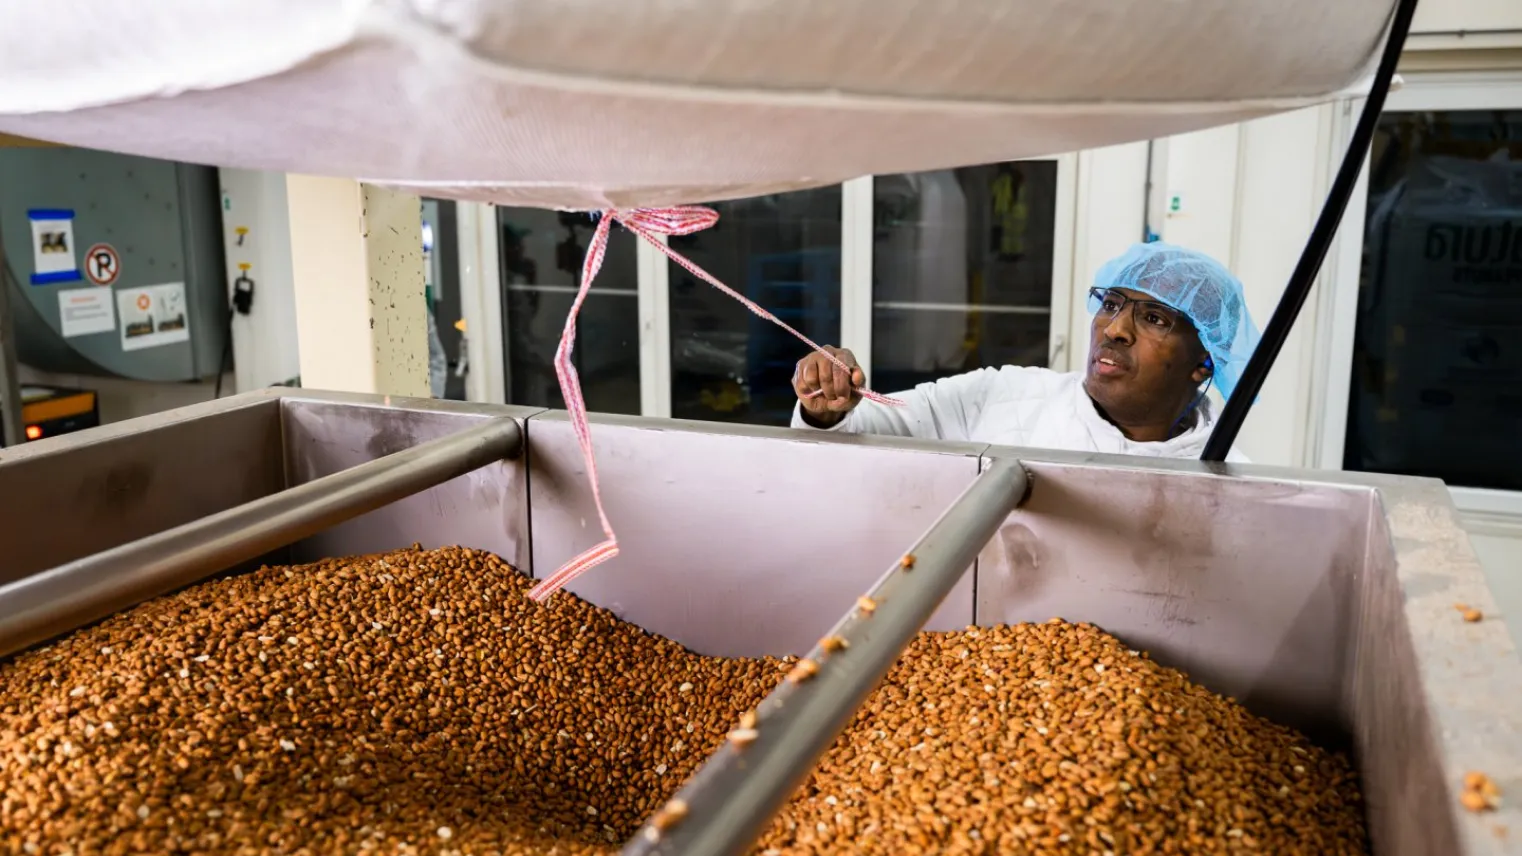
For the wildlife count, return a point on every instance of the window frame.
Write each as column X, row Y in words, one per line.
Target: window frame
column 856, row 264
column 1337, row 304
column 654, row 296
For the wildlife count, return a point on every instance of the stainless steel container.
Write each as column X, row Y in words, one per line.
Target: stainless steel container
column 1322, row 600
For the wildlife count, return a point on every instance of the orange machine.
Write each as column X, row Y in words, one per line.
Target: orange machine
column 47, row 411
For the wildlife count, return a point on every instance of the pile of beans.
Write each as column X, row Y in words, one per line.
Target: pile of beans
column 1055, row 738
column 418, row 703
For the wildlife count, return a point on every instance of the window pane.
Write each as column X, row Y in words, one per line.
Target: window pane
column 961, row 270
column 541, row 255
column 441, row 278
column 1437, row 372
column 783, row 252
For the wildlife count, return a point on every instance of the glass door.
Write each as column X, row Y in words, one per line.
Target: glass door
column 1420, row 338
column 963, row 264
column 540, row 256
column 1436, row 385
column 782, row 251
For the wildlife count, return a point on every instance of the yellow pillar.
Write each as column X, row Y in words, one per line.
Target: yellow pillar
column 357, row 260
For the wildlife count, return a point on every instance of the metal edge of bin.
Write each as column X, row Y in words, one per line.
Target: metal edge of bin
column 770, row 432
column 376, row 401
column 64, row 443
column 1401, row 490
column 1469, row 674
column 729, row 801
column 74, row 594
column 268, row 396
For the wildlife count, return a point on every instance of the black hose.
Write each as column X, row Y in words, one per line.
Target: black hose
column 227, row 350
column 1300, row 282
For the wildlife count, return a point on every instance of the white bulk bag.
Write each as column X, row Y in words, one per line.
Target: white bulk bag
column 619, row 103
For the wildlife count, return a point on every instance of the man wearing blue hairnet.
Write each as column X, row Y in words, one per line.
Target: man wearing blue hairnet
column 1167, row 323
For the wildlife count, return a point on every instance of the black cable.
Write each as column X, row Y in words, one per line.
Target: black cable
column 1300, row 282
column 227, row 347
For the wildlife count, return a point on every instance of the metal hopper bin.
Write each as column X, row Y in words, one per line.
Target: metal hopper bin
column 1321, row 600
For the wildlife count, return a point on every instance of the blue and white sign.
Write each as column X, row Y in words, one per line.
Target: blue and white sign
column 54, row 257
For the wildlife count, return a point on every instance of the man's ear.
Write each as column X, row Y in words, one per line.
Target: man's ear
column 1205, row 369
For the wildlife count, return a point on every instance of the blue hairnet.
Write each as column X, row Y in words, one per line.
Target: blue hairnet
column 1203, row 290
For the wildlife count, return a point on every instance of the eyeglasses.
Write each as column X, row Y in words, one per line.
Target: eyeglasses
column 1152, row 318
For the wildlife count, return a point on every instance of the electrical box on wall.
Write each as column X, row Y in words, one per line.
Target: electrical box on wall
column 116, row 263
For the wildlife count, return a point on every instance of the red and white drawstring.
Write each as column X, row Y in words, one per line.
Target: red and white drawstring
column 650, row 224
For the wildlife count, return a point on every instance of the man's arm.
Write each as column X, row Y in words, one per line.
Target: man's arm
column 944, row 410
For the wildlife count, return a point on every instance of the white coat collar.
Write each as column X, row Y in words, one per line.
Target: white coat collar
column 1107, row 438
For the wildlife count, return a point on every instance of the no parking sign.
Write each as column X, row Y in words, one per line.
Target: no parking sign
column 102, row 264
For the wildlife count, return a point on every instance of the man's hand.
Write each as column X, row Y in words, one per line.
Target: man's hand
column 826, row 391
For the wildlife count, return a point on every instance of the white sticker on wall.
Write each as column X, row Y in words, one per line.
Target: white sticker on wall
column 152, row 316
column 85, row 312
column 53, row 252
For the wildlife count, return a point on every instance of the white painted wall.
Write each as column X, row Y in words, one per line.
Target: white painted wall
column 1250, row 195
column 1454, row 16
column 1109, row 216
column 265, row 350
column 357, row 262
column 1282, row 182
column 1200, row 170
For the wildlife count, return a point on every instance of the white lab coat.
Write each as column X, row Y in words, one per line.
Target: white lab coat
column 1015, row 406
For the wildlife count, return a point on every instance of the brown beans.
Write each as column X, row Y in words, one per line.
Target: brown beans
column 1480, row 792
column 414, row 698
column 803, row 671
column 1052, row 739
column 670, row 815
column 418, row 702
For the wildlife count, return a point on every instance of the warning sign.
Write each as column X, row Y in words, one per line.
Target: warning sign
column 102, row 264
column 152, row 316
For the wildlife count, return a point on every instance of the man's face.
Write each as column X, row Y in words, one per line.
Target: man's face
column 1145, row 361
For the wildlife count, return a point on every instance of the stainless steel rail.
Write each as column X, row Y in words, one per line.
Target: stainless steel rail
column 728, row 803
column 72, row 595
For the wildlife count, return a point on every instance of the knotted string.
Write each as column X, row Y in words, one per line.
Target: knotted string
column 650, row 224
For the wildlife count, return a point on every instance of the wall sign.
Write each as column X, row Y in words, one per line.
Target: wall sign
column 102, row 264
column 53, row 257
column 153, row 316
column 85, row 312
